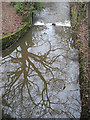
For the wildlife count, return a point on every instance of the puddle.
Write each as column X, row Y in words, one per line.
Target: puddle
column 40, row 74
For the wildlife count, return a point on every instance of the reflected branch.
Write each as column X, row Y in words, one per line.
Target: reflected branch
column 24, row 77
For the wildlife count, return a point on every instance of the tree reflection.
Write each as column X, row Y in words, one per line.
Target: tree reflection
column 33, row 83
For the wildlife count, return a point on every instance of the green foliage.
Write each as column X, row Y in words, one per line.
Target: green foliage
column 27, row 6
column 19, row 6
column 39, row 5
column 78, row 14
column 32, row 8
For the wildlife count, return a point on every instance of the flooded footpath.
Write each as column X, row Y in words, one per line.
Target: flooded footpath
column 40, row 73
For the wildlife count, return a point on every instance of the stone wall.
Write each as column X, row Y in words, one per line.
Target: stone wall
column 11, row 38
column 80, row 36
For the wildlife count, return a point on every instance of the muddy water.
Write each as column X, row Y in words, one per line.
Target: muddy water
column 40, row 73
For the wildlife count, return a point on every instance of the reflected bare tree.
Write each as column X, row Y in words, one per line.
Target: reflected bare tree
column 34, row 82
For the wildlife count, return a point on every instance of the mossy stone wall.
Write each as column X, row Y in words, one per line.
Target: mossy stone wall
column 78, row 21
column 11, row 38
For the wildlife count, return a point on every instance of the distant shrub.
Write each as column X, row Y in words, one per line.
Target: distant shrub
column 19, row 6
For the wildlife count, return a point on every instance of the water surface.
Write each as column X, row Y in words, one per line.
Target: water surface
column 40, row 72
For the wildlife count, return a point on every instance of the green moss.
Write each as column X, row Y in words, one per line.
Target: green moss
column 11, row 38
column 26, row 23
column 15, row 32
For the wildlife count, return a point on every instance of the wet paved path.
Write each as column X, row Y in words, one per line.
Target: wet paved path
column 40, row 73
